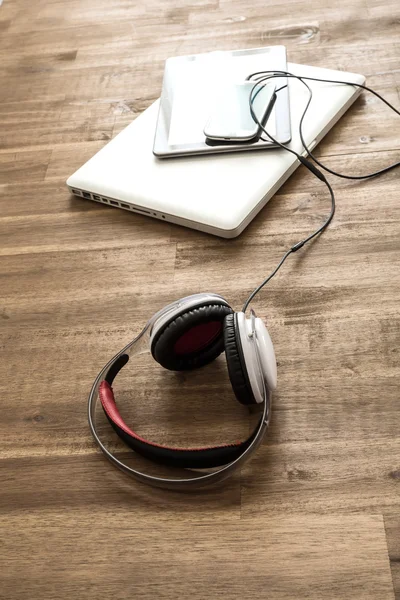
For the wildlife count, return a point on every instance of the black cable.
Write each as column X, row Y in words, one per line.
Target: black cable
column 300, row 244
column 310, row 166
column 274, row 74
column 313, row 169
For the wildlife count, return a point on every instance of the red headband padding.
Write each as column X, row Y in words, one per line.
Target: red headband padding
column 188, row 458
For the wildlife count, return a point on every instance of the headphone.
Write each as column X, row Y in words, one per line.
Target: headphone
column 193, row 331
column 186, row 335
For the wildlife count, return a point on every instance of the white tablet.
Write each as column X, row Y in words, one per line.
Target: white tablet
column 220, row 193
column 190, row 86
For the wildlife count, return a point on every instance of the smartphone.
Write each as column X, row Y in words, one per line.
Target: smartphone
column 231, row 119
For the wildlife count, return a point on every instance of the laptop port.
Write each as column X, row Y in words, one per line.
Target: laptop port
column 125, row 206
column 96, row 198
column 87, row 195
column 141, row 210
column 114, row 203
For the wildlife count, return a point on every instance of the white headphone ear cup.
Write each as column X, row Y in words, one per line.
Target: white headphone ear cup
column 253, row 368
column 266, row 354
column 259, row 355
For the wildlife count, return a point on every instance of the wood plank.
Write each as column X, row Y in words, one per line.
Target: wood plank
column 16, row 167
column 303, row 558
column 105, row 492
column 41, row 231
column 334, row 476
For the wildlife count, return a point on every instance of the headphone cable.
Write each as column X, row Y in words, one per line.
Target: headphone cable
column 265, row 76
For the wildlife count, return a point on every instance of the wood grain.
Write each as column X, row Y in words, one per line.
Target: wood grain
column 334, row 557
column 315, row 514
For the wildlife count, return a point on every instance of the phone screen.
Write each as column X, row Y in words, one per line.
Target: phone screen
column 231, row 118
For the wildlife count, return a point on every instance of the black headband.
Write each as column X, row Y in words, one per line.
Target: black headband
column 187, row 458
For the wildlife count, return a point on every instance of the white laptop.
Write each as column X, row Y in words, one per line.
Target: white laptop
column 219, row 194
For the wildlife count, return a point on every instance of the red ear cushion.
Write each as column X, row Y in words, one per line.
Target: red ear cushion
column 198, row 337
column 192, row 339
column 236, row 363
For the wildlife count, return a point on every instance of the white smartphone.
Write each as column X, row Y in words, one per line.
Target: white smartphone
column 231, row 118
